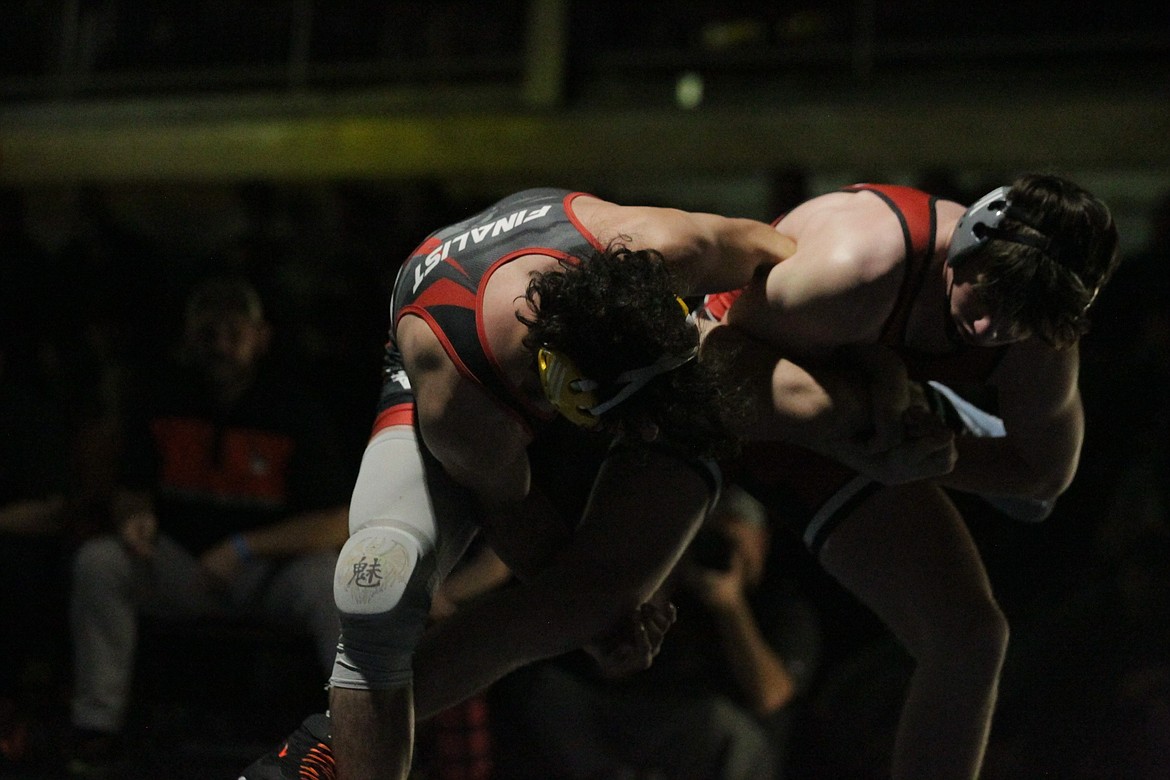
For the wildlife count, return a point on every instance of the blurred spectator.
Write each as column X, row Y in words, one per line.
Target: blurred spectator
column 717, row 701
column 34, row 471
column 232, row 503
column 34, row 485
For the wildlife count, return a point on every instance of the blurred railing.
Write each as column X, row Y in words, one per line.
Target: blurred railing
column 555, row 51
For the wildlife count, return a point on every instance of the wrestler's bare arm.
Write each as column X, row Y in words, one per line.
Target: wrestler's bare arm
column 787, row 401
column 827, row 409
column 710, row 253
column 643, row 511
column 839, row 285
column 834, row 389
column 1041, row 407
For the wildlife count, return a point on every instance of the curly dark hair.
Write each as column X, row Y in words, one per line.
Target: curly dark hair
column 1049, row 290
column 617, row 310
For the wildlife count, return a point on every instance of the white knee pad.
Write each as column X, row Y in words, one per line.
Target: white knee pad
column 382, row 586
column 373, row 570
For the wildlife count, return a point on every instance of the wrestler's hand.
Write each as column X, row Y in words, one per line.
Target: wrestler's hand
column 632, row 646
column 926, row 450
column 891, row 393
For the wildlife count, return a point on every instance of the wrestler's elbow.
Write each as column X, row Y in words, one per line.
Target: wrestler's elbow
column 1053, row 474
column 1053, row 487
column 1023, row 481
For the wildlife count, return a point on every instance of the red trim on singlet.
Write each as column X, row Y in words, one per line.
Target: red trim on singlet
column 399, row 414
column 718, row 304
column 916, row 216
column 914, row 204
column 444, row 292
column 567, row 204
column 426, row 247
column 448, row 347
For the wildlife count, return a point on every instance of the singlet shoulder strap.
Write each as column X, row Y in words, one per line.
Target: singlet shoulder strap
column 916, row 212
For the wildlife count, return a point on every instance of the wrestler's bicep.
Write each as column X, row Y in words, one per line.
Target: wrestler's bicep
column 1042, row 410
column 805, row 310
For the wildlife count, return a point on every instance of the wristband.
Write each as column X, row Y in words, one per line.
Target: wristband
column 242, row 548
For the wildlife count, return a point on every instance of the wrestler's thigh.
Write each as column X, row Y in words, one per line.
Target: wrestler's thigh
column 401, row 485
column 907, row 554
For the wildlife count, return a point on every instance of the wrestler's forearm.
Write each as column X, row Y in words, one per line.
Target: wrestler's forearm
column 644, row 509
column 994, row 467
column 816, row 407
column 478, row 645
column 805, row 405
column 751, row 246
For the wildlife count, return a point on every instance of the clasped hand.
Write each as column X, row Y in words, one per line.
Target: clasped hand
column 633, row 644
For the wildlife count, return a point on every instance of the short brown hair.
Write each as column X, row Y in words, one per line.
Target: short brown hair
column 1049, row 288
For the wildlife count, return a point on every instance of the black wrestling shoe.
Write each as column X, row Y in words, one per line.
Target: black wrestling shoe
column 305, row 755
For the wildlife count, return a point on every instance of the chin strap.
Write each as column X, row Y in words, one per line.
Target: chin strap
column 635, row 379
column 575, row 396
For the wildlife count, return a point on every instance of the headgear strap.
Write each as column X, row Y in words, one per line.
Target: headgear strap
column 982, row 222
column 575, row 395
column 637, row 378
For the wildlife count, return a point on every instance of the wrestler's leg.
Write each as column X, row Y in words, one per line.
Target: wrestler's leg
column 906, row 553
column 408, row 526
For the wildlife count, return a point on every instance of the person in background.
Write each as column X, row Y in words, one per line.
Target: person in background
column 232, row 502
column 716, row 703
column 35, row 502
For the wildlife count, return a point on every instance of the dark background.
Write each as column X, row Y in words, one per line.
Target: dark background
column 312, row 145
